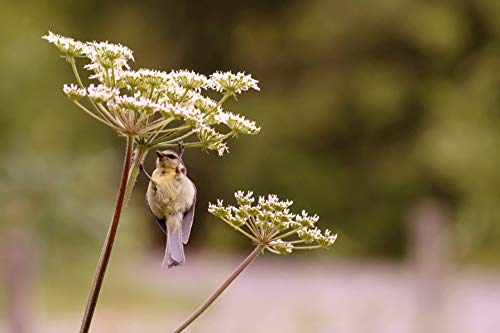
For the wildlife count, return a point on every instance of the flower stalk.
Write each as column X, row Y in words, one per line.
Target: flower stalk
column 241, row 267
column 269, row 223
column 108, row 243
column 139, row 155
column 141, row 105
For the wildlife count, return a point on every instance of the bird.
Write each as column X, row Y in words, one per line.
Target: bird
column 171, row 197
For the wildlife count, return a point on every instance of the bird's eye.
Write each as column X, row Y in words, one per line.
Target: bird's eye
column 172, row 156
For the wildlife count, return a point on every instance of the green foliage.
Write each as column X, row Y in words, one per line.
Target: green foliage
column 365, row 108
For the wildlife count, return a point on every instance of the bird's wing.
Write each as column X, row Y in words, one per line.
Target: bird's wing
column 187, row 219
column 161, row 222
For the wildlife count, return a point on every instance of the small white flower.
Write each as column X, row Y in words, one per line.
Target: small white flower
column 153, row 78
column 68, row 46
column 110, row 77
column 74, row 92
column 211, row 139
column 190, row 80
column 219, row 210
column 205, row 104
column 240, row 124
column 328, row 239
column 310, row 235
column 126, row 103
column 131, row 79
column 282, row 247
column 220, row 117
column 109, row 55
column 233, row 83
column 243, row 198
column 307, row 220
column 101, row 93
column 177, row 95
column 189, row 114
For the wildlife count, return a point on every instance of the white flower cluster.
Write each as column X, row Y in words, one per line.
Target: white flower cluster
column 101, row 93
column 108, row 55
column 271, row 224
column 233, row 83
column 190, row 80
column 238, row 124
column 282, row 247
column 139, row 105
column 145, row 102
column 74, row 92
column 211, row 139
column 68, row 46
column 191, row 115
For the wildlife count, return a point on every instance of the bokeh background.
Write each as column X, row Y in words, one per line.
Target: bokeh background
column 382, row 116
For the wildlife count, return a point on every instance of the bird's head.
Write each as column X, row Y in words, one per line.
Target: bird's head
column 169, row 159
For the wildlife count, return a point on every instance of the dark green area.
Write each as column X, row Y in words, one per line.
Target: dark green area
column 366, row 108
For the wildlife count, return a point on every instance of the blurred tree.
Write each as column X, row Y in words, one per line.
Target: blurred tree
column 366, row 107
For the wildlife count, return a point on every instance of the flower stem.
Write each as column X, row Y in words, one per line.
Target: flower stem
column 87, row 111
column 75, row 72
column 139, row 156
column 108, row 244
column 221, row 289
column 240, row 230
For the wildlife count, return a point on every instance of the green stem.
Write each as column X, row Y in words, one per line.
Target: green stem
column 241, row 230
column 107, row 115
column 75, row 72
column 80, row 83
column 168, row 136
column 221, row 289
column 87, row 111
column 312, row 247
column 139, row 156
column 173, row 129
column 164, row 146
column 222, row 100
column 108, row 244
column 288, row 234
column 161, row 130
column 298, row 241
column 188, row 134
column 272, row 250
column 113, row 73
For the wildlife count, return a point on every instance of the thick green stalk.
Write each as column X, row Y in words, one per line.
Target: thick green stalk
column 220, row 290
column 108, row 244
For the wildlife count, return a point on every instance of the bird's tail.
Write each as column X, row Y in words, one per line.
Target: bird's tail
column 174, row 252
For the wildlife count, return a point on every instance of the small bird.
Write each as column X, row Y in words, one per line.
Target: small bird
column 171, row 197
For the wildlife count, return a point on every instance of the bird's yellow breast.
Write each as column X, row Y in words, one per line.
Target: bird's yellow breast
column 171, row 193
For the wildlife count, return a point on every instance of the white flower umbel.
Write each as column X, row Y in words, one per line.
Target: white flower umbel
column 239, row 124
column 109, row 55
column 211, row 139
column 69, row 47
column 271, row 224
column 233, row 83
column 128, row 100
column 190, row 80
column 74, row 92
column 205, row 104
column 101, row 93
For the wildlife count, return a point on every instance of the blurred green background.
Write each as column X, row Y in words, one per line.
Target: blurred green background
column 366, row 108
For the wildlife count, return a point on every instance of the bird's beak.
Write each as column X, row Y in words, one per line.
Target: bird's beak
column 159, row 153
